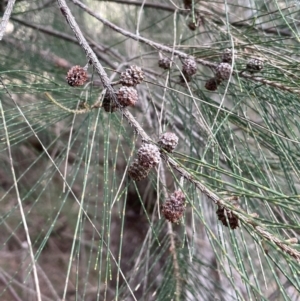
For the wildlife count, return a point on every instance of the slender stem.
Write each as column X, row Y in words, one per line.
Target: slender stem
column 140, row 131
column 179, row 53
column 99, row 49
column 23, row 216
column 139, row 38
column 6, row 16
column 172, row 248
column 239, row 24
column 65, row 108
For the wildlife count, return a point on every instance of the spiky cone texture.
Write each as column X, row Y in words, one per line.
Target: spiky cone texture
column 165, row 63
column 138, row 172
column 223, row 71
column 232, row 218
column 127, row 96
column 108, row 105
column 132, row 76
column 76, row 76
column 212, row 84
column 148, row 155
column 254, row 65
column 174, row 207
column 227, row 55
column 168, row 141
column 189, row 67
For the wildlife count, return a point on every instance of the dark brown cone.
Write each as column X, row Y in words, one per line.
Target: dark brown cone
column 138, row 172
column 76, row 76
column 108, row 105
column 127, row 96
column 174, row 207
column 231, row 217
column 212, row 84
column 184, row 79
column 187, row 4
column 132, row 76
column 192, row 25
column 165, row 63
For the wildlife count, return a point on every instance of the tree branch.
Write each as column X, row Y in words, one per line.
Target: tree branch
column 179, row 53
column 238, row 24
column 140, row 131
column 6, row 16
column 58, row 34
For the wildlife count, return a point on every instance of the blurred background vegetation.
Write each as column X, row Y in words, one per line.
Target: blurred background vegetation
column 98, row 235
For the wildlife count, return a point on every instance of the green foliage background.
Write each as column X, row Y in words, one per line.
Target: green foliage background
column 96, row 234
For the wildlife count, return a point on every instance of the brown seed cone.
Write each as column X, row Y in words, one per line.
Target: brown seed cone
column 165, row 63
column 168, row 141
column 184, row 79
column 132, row 76
column 148, row 155
column 174, row 207
column 193, row 25
column 127, row 96
column 76, row 76
column 187, row 4
column 212, row 84
column 231, row 217
column 137, row 172
column 108, row 104
column 223, row 71
column 255, row 65
column 227, row 55
column 189, row 67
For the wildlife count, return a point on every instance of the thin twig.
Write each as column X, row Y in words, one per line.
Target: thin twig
column 6, row 16
column 172, row 242
column 177, row 52
column 273, row 30
column 70, row 190
column 140, row 131
column 35, row 275
column 126, row 33
column 9, row 287
column 58, row 34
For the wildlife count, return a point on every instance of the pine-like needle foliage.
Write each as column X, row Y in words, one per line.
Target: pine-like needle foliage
column 75, row 226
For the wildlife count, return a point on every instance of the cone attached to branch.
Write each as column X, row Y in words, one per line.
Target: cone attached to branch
column 223, row 71
column 108, row 104
column 164, row 63
column 227, row 217
column 132, row 76
column 137, row 172
column 227, row 55
column 174, row 207
column 148, row 155
column 212, row 84
column 254, row 65
column 168, row 141
column 187, row 4
column 127, row 96
column 189, row 68
column 76, row 76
